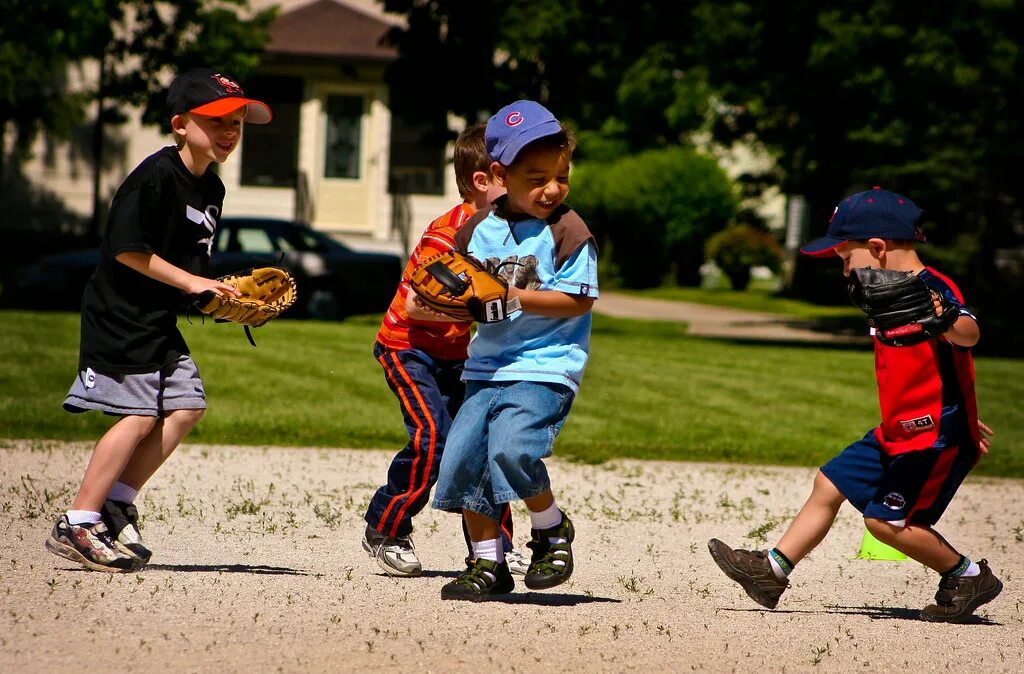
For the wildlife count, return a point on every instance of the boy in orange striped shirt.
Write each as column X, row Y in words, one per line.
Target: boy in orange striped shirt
column 422, row 353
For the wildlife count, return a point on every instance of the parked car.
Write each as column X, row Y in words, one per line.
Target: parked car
column 333, row 280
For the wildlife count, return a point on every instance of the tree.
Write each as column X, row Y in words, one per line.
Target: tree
column 925, row 101
column 33, row 70
column 137, row 44
column 615, row 69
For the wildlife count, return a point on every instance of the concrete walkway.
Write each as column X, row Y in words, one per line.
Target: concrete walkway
column 711, row 321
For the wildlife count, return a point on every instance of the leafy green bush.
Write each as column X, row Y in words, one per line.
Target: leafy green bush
column 656, row 209
column 736, row 249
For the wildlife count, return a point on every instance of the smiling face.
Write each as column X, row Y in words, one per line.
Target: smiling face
column 207, row 139
column 537, row 182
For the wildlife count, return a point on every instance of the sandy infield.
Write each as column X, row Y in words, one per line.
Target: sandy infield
column 257, row 567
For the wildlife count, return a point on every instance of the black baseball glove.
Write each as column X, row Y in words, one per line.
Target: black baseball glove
column 902, row 308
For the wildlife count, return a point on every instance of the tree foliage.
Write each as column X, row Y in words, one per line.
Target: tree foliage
column 137, row 46
column 922, row 99
column 656, row 209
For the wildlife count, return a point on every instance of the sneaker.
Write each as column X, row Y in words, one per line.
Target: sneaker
column 752, row 570
column 551, row 563
column 396, row 555
column 91, row 545
column 481, row 580
column 517, row 562
column 122, row 520
column 960, row 596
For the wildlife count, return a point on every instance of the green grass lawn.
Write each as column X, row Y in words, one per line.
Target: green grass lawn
column 650, row 392
column 758, row 297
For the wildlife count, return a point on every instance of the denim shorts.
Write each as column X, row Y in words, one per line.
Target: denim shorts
column 151, row 394
column 496, row 446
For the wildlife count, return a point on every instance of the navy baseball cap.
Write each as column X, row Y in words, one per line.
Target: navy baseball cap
column 212, row 94
column 515, row 126
column 874, row 214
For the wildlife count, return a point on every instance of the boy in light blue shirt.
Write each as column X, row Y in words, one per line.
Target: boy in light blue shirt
column 523, row 372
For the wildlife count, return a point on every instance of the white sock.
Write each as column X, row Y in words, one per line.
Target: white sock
column 123, row 493
column 490, row 549
column 780, row 573
column 545, row 519
column 972, row 570
column 83, row 517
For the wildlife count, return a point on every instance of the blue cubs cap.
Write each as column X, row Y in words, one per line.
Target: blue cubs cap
column 515, row 126
column 874, row 214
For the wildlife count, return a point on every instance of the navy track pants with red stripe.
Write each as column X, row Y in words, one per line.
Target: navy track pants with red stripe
column 429, row 393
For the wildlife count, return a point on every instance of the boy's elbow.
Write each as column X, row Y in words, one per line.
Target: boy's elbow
column 584, row 304
column 965, row 332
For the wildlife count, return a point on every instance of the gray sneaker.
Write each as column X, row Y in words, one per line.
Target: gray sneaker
column 752, row 570
column 396, row 555
column 91, row 545
column 122, row 519
column 960, row 596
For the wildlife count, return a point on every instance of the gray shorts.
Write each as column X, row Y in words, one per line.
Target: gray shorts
column 151, row 394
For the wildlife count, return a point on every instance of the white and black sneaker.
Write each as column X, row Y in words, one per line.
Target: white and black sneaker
column 395, row 554
column 91, row 545
column 518, row 564
column 122, row 519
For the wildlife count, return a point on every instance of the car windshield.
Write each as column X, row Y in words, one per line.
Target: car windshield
column 270, row 236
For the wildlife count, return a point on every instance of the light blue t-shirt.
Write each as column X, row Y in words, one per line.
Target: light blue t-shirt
column 557, row 254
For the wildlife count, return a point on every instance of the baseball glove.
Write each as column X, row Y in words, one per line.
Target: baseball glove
column 900, row 306
column 266, row 293
column 462, row 287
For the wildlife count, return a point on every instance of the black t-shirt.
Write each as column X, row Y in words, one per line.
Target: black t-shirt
column 128, row 319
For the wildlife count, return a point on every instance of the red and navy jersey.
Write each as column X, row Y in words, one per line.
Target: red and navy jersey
column 926, row 391
column 443, row 340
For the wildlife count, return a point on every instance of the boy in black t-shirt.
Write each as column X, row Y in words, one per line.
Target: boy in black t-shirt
column 133, row 361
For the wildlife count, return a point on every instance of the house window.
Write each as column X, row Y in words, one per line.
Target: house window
column 417, row 158
column 270, row 152
column 344, row 136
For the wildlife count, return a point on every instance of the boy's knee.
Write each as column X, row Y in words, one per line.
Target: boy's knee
column 140, row 425
column 881, row 529
column 188, row 418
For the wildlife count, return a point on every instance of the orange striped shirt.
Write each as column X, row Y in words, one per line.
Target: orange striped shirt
column 445, row 341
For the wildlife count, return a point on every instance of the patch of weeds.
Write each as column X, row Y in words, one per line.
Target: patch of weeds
column 330, row 515
column 760, row 534
column 250, row 503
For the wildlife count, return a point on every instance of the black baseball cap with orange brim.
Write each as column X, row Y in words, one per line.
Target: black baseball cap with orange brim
column 203, row 91
column 873, row 214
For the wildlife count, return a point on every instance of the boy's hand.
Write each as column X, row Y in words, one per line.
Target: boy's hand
column 984, row 444
column 198, row 284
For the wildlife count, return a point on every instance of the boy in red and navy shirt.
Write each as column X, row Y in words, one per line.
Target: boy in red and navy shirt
column 422, row 353
column 903, row 473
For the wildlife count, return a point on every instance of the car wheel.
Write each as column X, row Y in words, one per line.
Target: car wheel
column 323, row 305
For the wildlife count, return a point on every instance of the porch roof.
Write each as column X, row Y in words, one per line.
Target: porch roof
column 332, row 29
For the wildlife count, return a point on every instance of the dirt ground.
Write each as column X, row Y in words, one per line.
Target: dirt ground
column 258, row 567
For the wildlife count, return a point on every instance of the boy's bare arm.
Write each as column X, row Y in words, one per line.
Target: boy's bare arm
column 155, row 267
column 551, row 303
column 964, row 332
